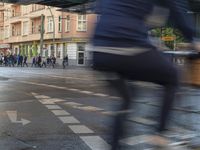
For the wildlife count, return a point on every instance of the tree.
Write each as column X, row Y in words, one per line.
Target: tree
column 168, row 32
column 35, row 50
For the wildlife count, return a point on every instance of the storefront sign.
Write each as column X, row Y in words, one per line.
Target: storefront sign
column 168, row 38
column 2, row 46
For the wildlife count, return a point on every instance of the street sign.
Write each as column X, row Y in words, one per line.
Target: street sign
column 168, row 38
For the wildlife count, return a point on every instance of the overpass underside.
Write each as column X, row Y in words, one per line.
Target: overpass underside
column 195, row 4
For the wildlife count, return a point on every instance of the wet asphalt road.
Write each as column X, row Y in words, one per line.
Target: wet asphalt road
column 72, row 109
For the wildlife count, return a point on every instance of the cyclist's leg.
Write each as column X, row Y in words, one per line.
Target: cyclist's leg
column 150, row 66
column 118, row 128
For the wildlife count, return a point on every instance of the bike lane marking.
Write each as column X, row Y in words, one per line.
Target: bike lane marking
column 71, row 89
column 94, row 142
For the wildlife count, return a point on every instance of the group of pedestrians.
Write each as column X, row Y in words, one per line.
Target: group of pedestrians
column 40, row 61
column 13, row 60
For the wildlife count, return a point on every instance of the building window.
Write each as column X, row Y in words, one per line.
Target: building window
column 13, row 13
column 1, row 33
column 50, row 26
column 25, row 10
column 7, row 14
column 13, row 30
column 82, row 23
column 67, row 24
column 32, row 27
column 16, row 29
column 59, row 24
column 16, row 11
column 25, row 28
column 7, row 33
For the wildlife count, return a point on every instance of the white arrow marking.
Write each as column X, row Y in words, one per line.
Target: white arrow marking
column 13, row 118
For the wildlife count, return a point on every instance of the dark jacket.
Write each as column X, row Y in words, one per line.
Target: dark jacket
column 122, row 22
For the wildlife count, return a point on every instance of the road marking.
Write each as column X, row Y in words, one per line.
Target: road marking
column 142, row 120
column 51, row 100
column 41, row 97
column 74, row 90
column 34, row 94
column 90, row 108
column 71, row 89
column 101, row 95
column 87, row 92
column 135, row 140
column 69, row 120
column 60, row 112
column 80, row 129
column 53, row 107
column 55, row 76
column 13, row 118
column 95, row 142
column 46, row 101
column 73, row 104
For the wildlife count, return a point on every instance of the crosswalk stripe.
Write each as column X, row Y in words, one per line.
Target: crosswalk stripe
column 69, row 120
column 73, row 104
column 50, row 101
column 95, row 142
column 78, row 129
column 53, row 107
column 90, row 108
column 60, row 112
column 41, row 96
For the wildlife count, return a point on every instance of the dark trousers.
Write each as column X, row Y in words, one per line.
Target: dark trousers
column 150, row 66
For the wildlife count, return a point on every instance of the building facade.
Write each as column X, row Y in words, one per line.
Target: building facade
column 64, row 33
column 3, row 47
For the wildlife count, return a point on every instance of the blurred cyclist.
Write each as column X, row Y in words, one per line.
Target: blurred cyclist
column 122, row 46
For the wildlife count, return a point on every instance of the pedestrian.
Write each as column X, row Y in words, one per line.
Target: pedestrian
column 25, row 61
column 21, row 58
column 1, row 59
column 6, row 60
column 44, row 63
column 65, row 61
column 33, row 62
column 48, row 61
column 12, row 59
column 18, row 59
column 53, row 59
column 121, row 45
column 39, row 61
column 15, row 59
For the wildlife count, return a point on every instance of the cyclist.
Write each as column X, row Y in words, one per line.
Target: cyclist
column 122, row 46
